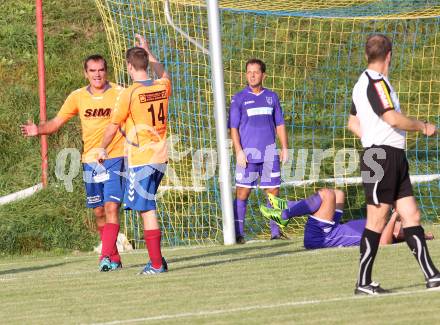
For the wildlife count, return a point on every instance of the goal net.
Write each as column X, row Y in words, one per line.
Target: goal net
column 314, row 51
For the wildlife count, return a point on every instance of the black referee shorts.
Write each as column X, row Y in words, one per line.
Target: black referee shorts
column 385, row 174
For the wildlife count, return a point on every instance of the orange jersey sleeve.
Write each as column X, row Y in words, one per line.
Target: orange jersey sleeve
column 70, row 107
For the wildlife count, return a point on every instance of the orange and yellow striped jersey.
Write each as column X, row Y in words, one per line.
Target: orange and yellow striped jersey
column 143, row 107
column 94, row 111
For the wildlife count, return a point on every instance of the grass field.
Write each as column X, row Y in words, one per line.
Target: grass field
column 258, row 283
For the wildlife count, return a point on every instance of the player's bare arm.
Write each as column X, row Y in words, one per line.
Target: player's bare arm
column 387, row 234
column 157, row 67
column 30, row 129
column 109, row 134
column 354, row 125
column 239, row 153
column 402, row 122
column 282, row 135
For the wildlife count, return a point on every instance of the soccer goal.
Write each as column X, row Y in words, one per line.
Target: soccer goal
column 314, row 51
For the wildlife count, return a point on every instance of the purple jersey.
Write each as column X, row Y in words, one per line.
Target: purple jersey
column 256, row 117
column 320, row 233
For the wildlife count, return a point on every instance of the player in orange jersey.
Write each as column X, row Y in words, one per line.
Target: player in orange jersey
column 143, row 108
column 103, row 182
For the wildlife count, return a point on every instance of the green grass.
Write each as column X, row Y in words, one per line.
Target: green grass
column 46, row 221
column 257, row 283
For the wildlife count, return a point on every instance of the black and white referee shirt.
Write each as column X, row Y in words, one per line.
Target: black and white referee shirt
column 372, row 97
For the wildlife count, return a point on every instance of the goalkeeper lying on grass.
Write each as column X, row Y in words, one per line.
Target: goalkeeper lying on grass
column 323, row 228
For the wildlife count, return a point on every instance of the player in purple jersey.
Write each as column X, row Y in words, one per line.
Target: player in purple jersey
column 255, row 120
column 323, row 228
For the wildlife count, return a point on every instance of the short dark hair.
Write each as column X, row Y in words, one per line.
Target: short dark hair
column 95, row 57
column 377, row 47
column 138, row 58
column 257, row 61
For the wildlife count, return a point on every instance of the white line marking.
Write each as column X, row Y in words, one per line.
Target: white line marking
column 257, row 307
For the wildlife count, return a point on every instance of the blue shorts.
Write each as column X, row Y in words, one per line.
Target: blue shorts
column 319, row 233
column 269, row 174
column 104, row 182
column 141, row 186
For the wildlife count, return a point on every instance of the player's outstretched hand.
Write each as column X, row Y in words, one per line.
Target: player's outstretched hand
column 429, row 129
column 141, row 42
column 29, row 129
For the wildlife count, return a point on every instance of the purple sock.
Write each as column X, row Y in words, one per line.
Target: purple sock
column 302, row 207
column 274, row 229
column 239, row 215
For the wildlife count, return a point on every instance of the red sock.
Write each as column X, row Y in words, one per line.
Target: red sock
column 100, row 231
column 109, row 237
column 152, row 241
column 115, row 257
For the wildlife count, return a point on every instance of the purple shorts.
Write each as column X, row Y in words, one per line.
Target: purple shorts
column 268, row 173
column 319, row 233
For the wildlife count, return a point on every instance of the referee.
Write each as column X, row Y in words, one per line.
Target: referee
column 376, row 118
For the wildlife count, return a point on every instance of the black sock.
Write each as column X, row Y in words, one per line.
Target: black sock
column 368, row 248
column 415, row 238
